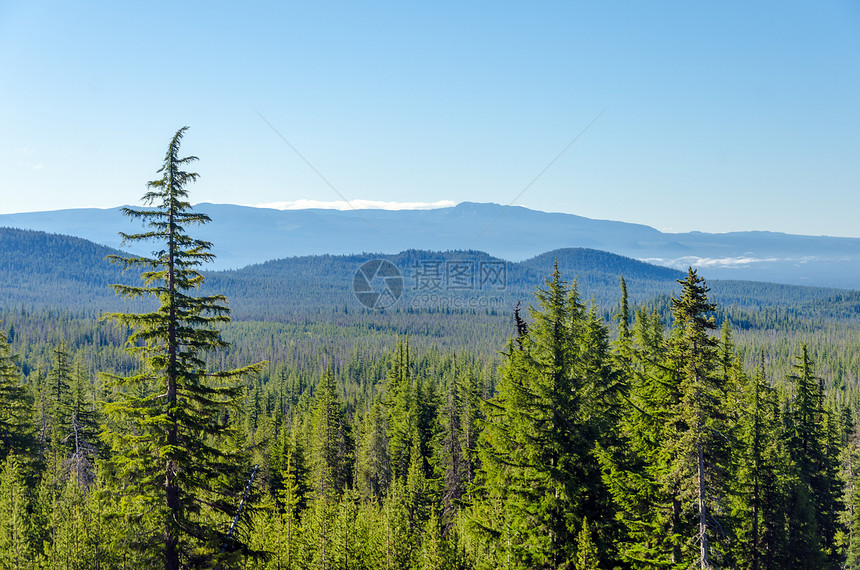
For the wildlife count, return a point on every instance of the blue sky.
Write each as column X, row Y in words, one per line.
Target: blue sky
column 716, row 116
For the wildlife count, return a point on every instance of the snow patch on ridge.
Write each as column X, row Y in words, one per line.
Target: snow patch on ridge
column 358, row 204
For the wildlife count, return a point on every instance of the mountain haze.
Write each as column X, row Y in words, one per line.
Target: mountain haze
column 244, row 235
column 39, row 269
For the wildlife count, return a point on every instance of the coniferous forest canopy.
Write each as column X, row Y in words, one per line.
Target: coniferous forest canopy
column 569, row 431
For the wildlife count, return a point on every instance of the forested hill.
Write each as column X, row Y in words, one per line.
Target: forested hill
column 39, row 269
column 243, row 235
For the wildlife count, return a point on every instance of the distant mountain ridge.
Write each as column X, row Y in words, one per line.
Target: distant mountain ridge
column 39, row 269
column 244, row 235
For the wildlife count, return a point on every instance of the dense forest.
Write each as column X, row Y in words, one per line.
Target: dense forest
column 662, row 433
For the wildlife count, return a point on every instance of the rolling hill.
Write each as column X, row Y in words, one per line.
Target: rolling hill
column 39, row 269
column 244, row 235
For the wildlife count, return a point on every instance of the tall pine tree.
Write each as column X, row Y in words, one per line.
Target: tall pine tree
column 179, row 484
column 697, row 451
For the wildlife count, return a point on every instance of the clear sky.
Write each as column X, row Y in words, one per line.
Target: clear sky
column 717, row 116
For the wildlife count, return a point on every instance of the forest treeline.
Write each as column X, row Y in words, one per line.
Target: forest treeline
column 648, row 439
column 42, row 270
column 652, row 449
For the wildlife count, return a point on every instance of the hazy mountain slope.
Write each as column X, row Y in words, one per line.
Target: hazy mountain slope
column 244, row 235
column 48, row 270
column 39, row 269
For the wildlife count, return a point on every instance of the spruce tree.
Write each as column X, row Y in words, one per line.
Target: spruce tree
column 331, row 445
column 761, row 477
column 372, row 463
column 852, row 501
column 668, row 476
column 401, row 402
column 452, row 455
column 82, row 430
column 16, row 549
column 59, row 386
column 637, row 471
column 812, row 449
column 538, row 477
column 179, row 485
column 697, row 450
column 586, row 551
column 16, row 432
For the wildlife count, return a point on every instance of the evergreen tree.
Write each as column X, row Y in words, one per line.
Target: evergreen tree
column 420, row 492
column 761, row 478
column 433, row 555
column 538, row 476
column 456, row 474
column 16, row 433
column 82, row 430
column 373, row 466
column 399, row 539
column 59, row 386
column 812, row 449
column 331, row 444
column 637, row 471
column 401, row 403
column 852, row 540
column 624, row 335
column 16, row 549
column 586, row 551
column 179, row 484
column 697, row 452
column 290, row 501
column 668, row 475
column 346, row 547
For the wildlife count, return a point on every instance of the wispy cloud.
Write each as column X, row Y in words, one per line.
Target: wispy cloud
column 721, row 262
column 354, row 204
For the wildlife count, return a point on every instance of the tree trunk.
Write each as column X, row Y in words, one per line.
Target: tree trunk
column 676, row 523
column 704, row 561
column 171, row 553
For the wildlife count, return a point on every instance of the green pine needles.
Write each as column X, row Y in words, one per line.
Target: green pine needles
column 171, row 420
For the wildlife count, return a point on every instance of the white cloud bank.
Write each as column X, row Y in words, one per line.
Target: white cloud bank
column 357, row 204
column 722, row 262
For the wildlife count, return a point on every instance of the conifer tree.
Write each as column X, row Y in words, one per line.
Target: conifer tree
column 669, row 475
column 401, row 403
column 331, row 444
column 16, row 549
column 420, row 492
column 290, row 499
column 82, row 430
column 586, row 551
column 538, row 477
column 761, row 477
column 697, row 451
column 816, row 495
column 59, row 386
column 636, row 470
column 623, row 316
column 433, row 553
column 179, row 484
column 852, row 500
column 398, row 538
column 15, row 404
column 373, row 466
column 456, row 468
